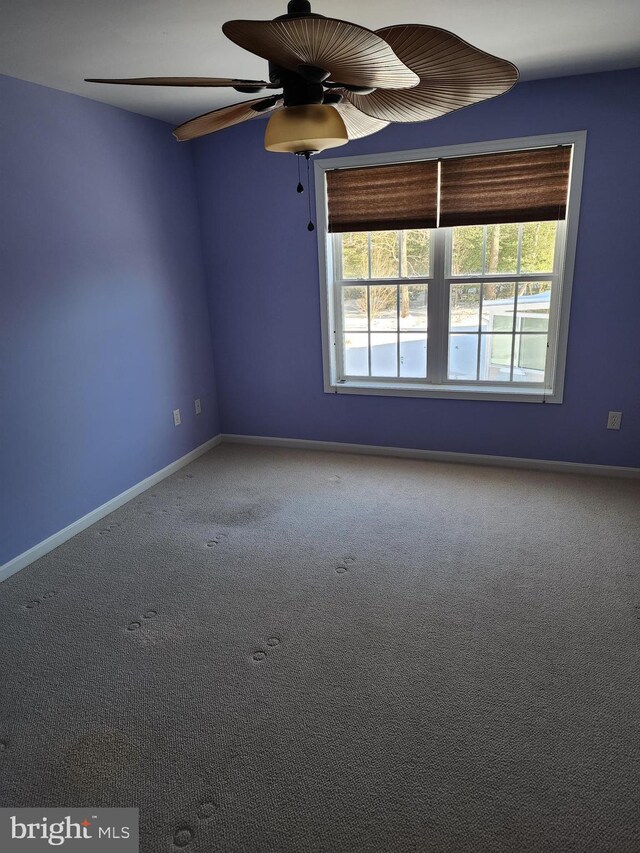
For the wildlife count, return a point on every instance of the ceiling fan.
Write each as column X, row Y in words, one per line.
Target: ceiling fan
column 338, row 81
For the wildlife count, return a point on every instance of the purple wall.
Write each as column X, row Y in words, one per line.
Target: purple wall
column 263, row 276
column 103, row 315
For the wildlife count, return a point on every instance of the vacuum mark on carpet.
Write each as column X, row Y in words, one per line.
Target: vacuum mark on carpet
column 36, row 602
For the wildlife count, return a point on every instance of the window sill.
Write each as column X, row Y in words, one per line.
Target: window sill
column 451, row 392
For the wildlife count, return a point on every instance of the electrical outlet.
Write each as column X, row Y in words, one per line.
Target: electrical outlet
column 176, row 417
column 614, row 420
column 198, row 406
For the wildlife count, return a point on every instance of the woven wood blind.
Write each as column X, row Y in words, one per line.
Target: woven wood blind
column 515, row 186
column 383, row 198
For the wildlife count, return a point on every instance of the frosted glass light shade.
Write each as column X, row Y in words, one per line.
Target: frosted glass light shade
column 313, row 127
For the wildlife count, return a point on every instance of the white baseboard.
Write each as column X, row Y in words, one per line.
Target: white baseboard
column 437, row 455
column 90, row 518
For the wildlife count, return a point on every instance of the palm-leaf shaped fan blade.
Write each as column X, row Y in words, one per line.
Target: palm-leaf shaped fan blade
column 453, row 74
column 203, row 82
column 358, row 124
column 347, row 52
column 225, row 117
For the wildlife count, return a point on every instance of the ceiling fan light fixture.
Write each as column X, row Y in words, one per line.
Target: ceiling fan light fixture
column 307, row 128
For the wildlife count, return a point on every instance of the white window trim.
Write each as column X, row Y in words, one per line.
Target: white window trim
column 565, row 262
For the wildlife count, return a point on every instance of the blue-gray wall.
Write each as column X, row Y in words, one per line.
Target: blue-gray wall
column 104, row 327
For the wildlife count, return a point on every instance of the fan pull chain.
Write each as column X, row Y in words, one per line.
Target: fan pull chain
column 310, row 226
column 299, row 188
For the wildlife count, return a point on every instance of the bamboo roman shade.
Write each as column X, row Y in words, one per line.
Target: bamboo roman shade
column 516, row 186
column 512, row 186
column 383, row 198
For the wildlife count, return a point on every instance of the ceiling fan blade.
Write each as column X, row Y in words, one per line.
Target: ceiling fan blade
column 357, row 123
column 224, row 117
column 205, row 82
column 351, row 54
column 453, row 74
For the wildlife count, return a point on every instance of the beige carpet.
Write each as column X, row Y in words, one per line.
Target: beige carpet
column 280, row 651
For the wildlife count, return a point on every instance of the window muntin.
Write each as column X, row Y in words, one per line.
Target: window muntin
column 510, row 248
column 383, row 317
column 497, row 284
column 498, row 324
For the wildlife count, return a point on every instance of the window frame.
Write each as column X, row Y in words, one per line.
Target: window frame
column 438, row 289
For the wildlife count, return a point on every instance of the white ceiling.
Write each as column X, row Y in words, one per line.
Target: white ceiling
column 59, row 42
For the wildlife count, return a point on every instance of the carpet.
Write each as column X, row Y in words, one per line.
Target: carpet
column 284, row 651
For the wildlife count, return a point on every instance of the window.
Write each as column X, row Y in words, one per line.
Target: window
column 467, row 310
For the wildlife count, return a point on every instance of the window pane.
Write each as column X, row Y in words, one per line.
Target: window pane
column 354, row 308
column 497, row 306
column 495, row 358
column 384, row 307
column 464, row 309
column 356, row 354
column 463, row 356
column 416, row 253
column 531, row 359
column 385, row 254
column 467, row 250
column 355, row 255
column 502, row 324
column 384, row 355
column 413, row 355
column 534, row 300
column 538, row 246
column 413, row 306
column 534, row 324
column 502, row 248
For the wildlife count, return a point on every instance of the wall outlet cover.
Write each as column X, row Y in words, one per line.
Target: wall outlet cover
column 176, row 417
column 614, row 420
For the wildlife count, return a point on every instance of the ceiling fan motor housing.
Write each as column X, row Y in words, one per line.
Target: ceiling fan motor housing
column 297, row 9
column 298, row 90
